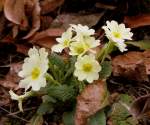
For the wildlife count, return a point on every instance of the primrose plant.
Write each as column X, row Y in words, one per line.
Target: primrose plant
column 56, row 79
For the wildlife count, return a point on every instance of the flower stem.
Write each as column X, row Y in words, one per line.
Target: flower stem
column 103, row 53
column 51, row 79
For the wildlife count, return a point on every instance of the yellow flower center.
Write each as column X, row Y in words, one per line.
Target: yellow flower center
column 117, row 34
column 87, row 67
column 79, row 50
column 35, row 73
column 66, row 43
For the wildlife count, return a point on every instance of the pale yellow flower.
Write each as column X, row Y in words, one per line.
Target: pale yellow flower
column 34, row 69
column 87, row 68
column 63, row 42
column 117, row 33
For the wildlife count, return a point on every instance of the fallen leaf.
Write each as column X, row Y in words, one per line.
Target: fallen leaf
column 4, row 98
column 21, row 48
column 91, row 99
column 48, row 6
column 136, row 63
column 105, row 6
column 137, row 21
column 46, row 38
column 46, row 22
column 141, row 107
column 2, row 5
column 63, row 20
column 15, row 12
column 11, row 79
column 36, row 120
column 35, row 19
column 2, row 25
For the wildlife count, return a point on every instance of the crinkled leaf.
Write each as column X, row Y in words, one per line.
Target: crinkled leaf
column 36, row 120
column 106, row 70
column 143, row 45
column 137, row 63
column 61, row 92
column 120, row 115
column 92, row 98
column 98, row 119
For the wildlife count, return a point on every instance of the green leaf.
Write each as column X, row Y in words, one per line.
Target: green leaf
column 106, row 70
column 120, row 115
column 143, row 45
column 57, row 60
column 45, row 108
column 68, row 118
column 36, row 120
column 61, row 92
column 98, row 119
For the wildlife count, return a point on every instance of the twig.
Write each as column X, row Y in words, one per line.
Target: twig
column 14, row 115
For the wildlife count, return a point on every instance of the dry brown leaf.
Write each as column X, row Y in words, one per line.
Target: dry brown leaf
column 15, row 12
column 2, row 5
column 48, row 6
column 90, row 101
column 46, row 38
column 2, row 25
column 141, row 107
column 46, row 22
column 136, row 63
column 137, row 21
column 35, row 19
column 21, row 48
column 11, row 80
column 63, row 20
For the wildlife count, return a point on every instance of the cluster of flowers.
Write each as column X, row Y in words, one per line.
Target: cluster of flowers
column 80, row 41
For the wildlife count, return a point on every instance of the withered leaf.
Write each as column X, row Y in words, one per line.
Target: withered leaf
column 11, row 79
column 2, row 5
column 15, row 12
column 48, row 6
column 91, row 99
column 63, row 20
column 141, row 107
column 46, row 38
column 136, row 63
column 137, row 21
column 35, row 19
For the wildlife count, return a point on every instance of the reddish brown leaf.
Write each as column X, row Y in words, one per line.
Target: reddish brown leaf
column 2, row 5
column 48, row 6
column 35, row 19
column 46, row 38
column 141, row 107
column 136, row 63
column 22, row 48
column 92, row 99
column 46, row 22
column 137, row 21
column 15, row 12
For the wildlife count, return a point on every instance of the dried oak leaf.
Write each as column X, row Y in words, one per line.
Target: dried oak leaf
column 11, row 80
column 15, row 12
column 137, row 21
column 35, row 19
column 48, row 6
column 91, row 99
column 137, row 63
